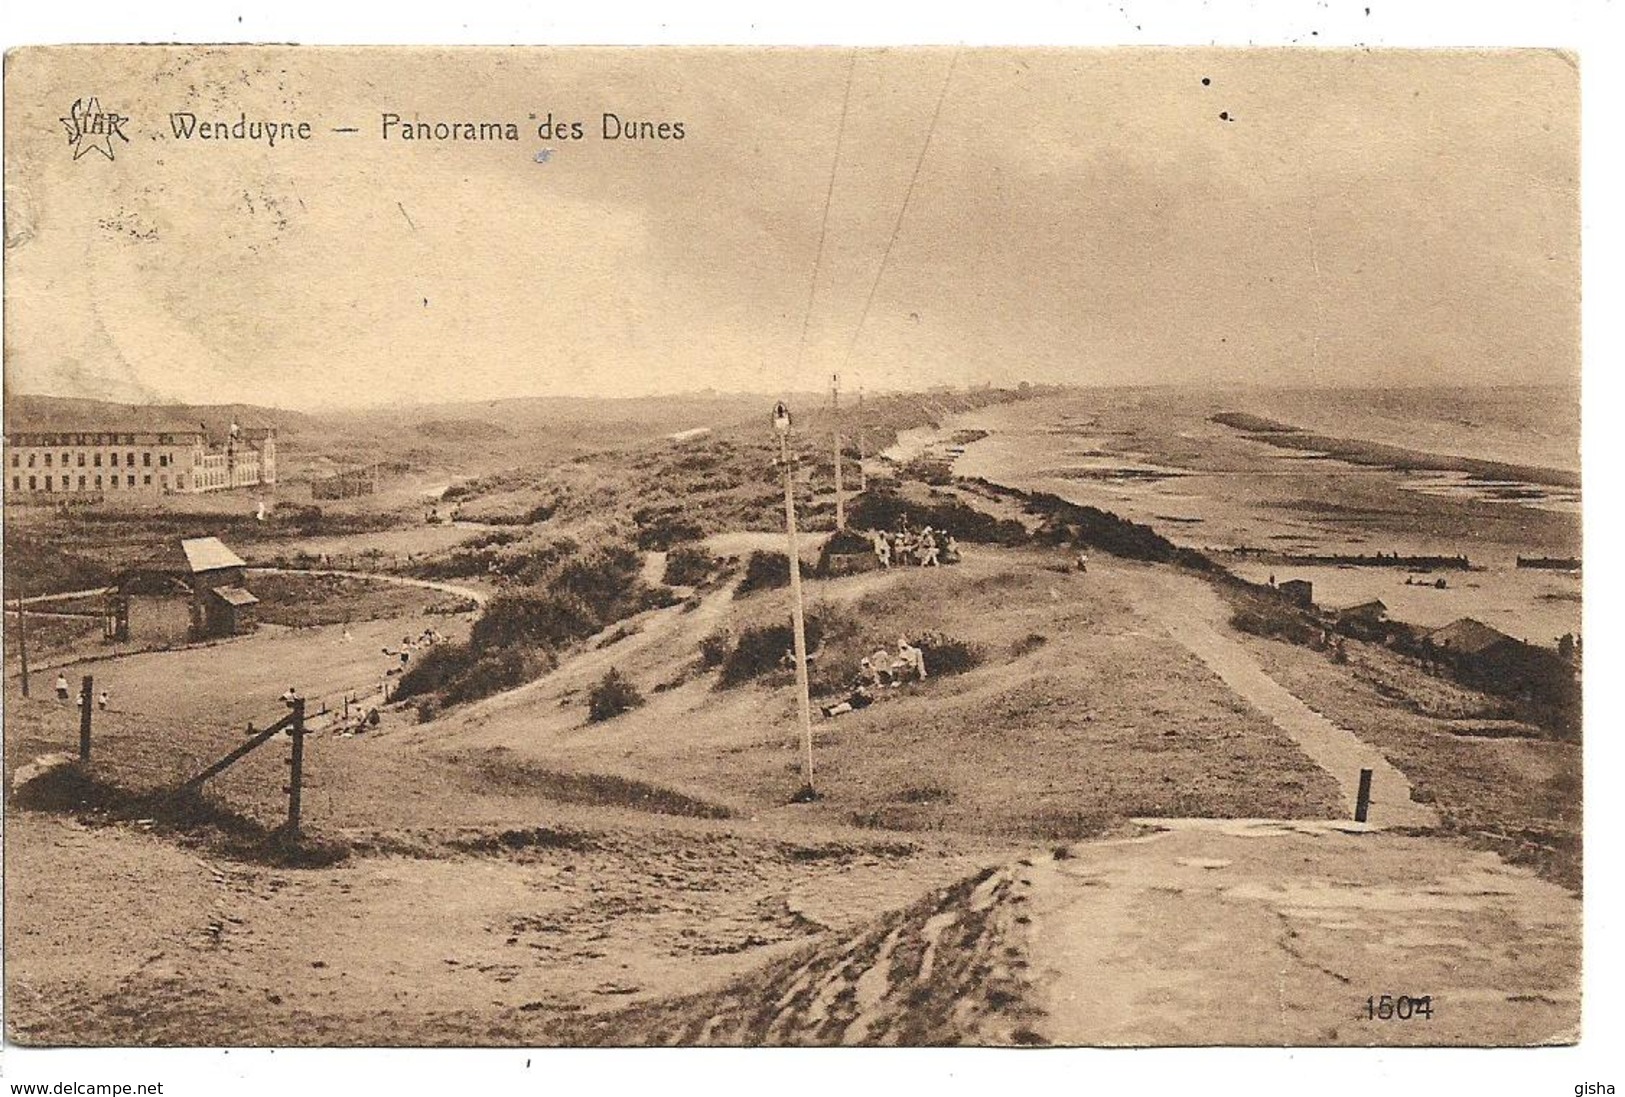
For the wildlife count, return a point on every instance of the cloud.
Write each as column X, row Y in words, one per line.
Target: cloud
column 1079, row 215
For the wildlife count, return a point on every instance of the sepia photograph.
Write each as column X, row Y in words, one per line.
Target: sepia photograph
column 753, row 547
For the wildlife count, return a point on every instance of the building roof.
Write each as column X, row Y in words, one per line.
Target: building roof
column 209, row 554
column 30, row 414
column 1296, row 583
column 235, row 596
column 72, row 417
column 77, row 425
column 1366, row 607
column 1468, row 635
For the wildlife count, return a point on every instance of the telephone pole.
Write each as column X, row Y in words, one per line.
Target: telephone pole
column 863, row 473
column 835, row 409
column 781, row 420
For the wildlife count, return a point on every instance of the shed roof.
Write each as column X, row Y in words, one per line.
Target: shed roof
column 1468, row 635
column 236, row 596
column 209, row 554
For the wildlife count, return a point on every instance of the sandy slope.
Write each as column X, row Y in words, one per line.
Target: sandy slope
column 1197, row 932
column 462, row 935
column 780, row 925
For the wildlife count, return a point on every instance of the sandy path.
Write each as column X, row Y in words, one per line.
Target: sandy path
column 383, row 577
column 1193, row 614
column 654, row 568
column 1261, row 932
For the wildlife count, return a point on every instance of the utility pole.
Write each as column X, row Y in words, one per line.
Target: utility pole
column 835, row 409
column 22, row 642
column 863, row 473
column 781, row 421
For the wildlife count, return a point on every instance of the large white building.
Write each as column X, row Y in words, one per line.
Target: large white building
column 67, row 459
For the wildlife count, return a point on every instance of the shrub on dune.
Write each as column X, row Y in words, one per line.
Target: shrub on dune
column 612, row 695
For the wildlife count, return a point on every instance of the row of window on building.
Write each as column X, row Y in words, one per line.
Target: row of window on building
column 96, row 459
column 103, row 439
column 84, row 483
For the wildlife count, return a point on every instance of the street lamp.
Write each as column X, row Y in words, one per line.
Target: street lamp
column 782, row 423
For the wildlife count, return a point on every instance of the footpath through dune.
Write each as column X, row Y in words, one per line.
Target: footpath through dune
column 1194, row 614
column 457, row 590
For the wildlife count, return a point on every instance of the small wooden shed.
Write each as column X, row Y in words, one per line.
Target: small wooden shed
column 193, row 589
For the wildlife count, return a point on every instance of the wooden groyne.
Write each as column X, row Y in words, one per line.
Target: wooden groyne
column 1550, row 563
column 1361, row 560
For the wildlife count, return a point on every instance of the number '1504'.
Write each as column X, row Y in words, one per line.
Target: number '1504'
column 1403, row 1008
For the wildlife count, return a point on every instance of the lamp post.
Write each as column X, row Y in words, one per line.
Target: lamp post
column 781, row 423
column 863, row 475
column 835, row 414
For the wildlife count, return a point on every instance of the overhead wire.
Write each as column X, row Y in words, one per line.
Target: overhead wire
column 823, row 227
column 902, row 212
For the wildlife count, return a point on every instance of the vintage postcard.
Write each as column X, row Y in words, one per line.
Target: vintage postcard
column 794, row 546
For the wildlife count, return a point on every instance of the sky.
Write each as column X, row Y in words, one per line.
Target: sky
column 1220, row 217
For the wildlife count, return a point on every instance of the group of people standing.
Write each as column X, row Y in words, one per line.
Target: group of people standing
column 928, row 548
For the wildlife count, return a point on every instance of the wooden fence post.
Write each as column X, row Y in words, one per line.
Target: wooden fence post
column 1362, row 802
column 296, row 764
column 22, row 641
column 84, row 718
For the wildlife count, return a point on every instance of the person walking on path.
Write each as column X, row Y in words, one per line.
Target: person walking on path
column 101, row 701
column 61, row 687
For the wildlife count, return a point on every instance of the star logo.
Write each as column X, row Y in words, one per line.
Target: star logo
column 89, row 127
